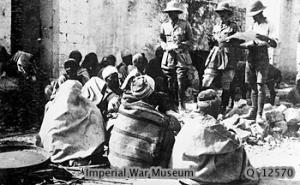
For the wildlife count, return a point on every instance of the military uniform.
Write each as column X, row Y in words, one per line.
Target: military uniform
column 176, row 42
column 228, row 56
column 258, row 57
column 257, row 66
column 221, row 32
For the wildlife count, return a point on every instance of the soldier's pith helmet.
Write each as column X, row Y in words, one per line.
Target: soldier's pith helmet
column 256, row 8
column 173, row 6
column 223, row 7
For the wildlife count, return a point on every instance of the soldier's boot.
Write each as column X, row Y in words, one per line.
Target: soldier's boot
column 261, row 103
column 272, row 100
column 225, row 100
column 253, row 111
column 181, row 106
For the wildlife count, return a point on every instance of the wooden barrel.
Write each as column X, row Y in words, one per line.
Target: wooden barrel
column 136, row 137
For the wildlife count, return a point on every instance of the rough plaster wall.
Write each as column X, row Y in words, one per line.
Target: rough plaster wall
column 49, row 11
column 72, row 29
column 108, row 26
column 25, row 30
column 31, row 29
column 115, row 25
column 5, row 19
column 289, row 34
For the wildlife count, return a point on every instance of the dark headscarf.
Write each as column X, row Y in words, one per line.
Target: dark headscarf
column 140, row 61
column 108, row 60
column 90, row 62
column 126, row 56
column 208, row 102
column 76, row 55
column 159, row 52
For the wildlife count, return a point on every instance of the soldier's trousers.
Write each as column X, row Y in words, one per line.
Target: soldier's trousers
column 177, row 81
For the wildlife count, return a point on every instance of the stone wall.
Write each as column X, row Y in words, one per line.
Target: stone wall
column 25, row 26
column 5, row 20
column 108, row 26
column 288, row 32
column 49, row 11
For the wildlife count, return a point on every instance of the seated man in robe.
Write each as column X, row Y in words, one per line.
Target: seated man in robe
column 162, row 100
column 204, row 145
column 72, row 129
column 71, row 67
column 141, row 136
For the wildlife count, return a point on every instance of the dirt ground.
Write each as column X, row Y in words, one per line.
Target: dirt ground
column 279, row 152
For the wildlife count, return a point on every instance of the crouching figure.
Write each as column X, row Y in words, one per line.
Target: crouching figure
column 140, row 136
column 72, row 129
column 204, row 145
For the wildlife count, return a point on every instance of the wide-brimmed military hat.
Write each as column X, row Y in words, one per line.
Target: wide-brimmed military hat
column 173, row 6
column 223, row 7
column 255, row 8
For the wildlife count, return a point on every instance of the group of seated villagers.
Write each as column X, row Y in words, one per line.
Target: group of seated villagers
column 90, row 114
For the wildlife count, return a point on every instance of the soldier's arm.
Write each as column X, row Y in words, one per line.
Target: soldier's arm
column 269, row 40
column 163, row 38
column 233, row 28
column 188, row 42
column 266, row 41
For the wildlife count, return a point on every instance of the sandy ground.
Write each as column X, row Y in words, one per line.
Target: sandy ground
column 282, row 152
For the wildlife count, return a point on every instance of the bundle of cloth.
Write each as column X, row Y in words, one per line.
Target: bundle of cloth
column 73, row 127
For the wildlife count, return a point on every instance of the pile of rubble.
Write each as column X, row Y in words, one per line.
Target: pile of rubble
column 282, row 120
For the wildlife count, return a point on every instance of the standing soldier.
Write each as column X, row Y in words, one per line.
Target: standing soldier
column 227, row 52
column 176, row 40
column 257, row 66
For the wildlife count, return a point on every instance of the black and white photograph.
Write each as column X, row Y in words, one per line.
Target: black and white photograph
column 149, row 92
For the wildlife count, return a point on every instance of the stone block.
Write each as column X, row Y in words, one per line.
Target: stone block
column 280, row 126
column 292, row 116
column 245, row 124
column 242, row 134
column 259, row 131
column 75, row 38
column 273, row 116
column 239, row 111
column 293, row 128
column 298, row 132
column 287, row 104
column 268, row 107
column 281, row 108
column 230, row 122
